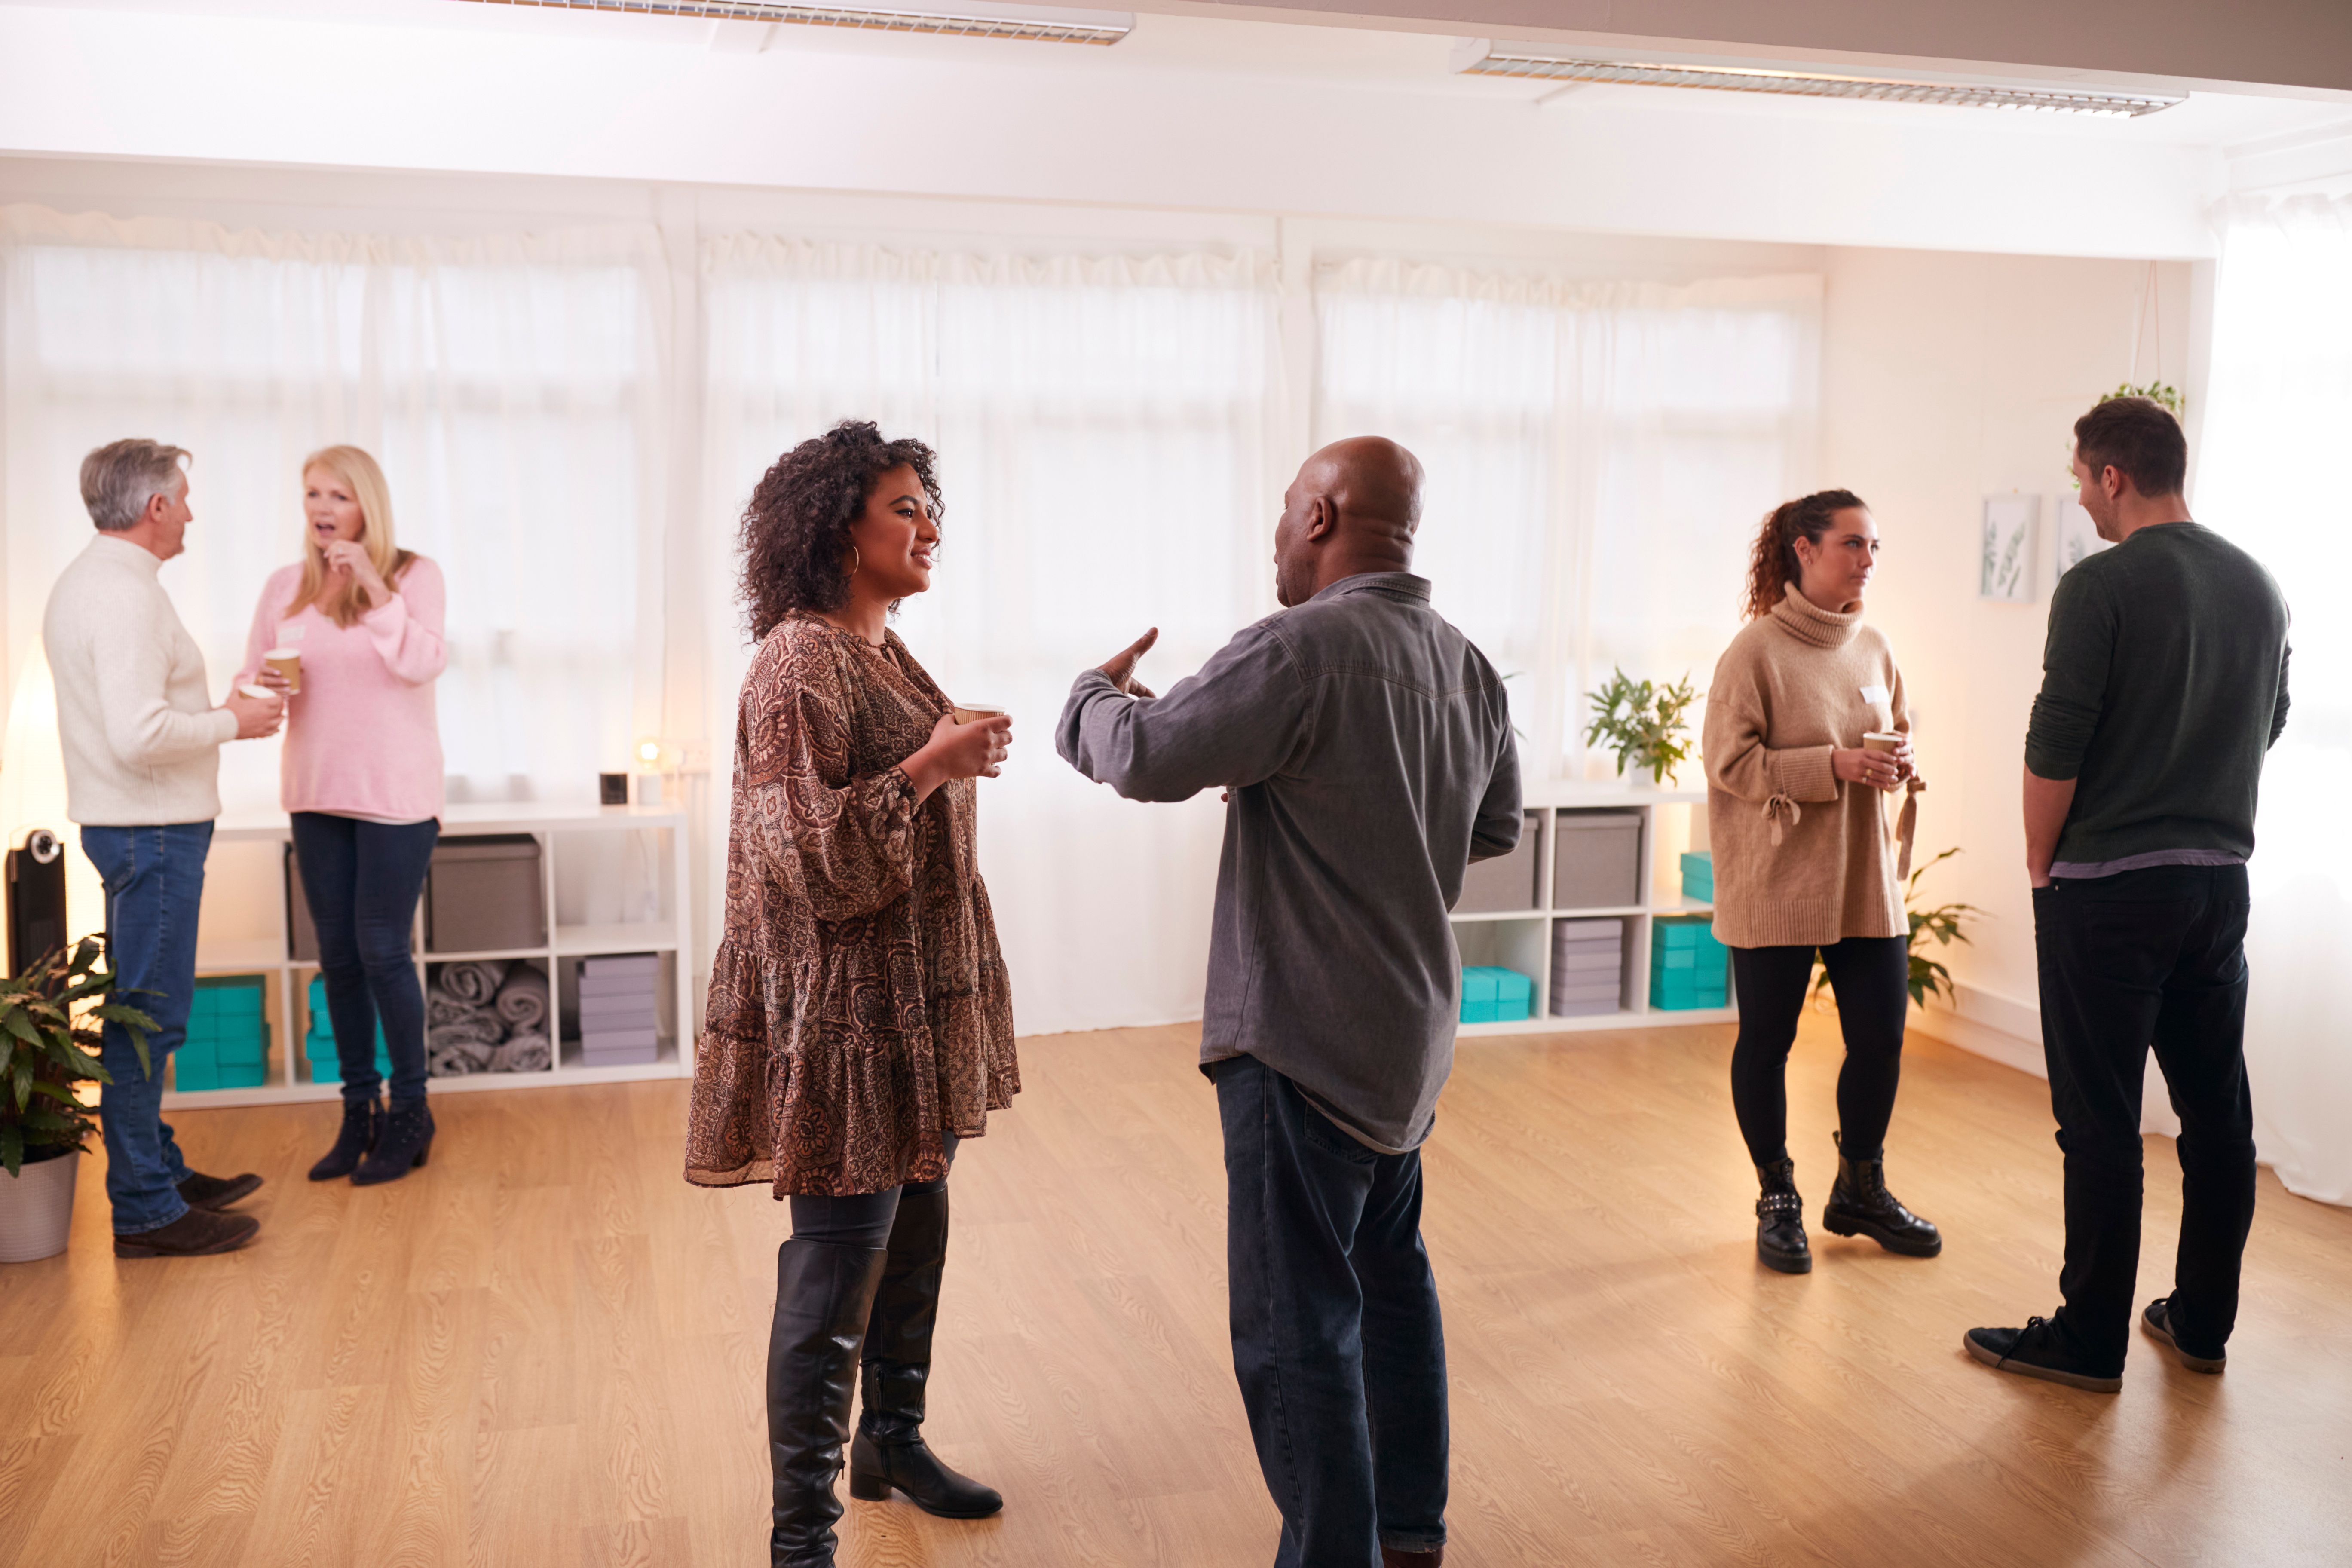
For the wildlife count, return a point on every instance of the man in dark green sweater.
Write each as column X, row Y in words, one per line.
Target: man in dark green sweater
column 2164, row 685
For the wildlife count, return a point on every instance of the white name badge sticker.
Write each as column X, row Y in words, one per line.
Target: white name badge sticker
column 1874, row 695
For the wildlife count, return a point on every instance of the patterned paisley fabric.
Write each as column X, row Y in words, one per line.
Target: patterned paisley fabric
column 859, row 1007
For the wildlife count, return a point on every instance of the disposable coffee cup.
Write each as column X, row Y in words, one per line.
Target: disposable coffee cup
column 1881, row 741
column 973, row 712
column 287, row 662
column 258, row 693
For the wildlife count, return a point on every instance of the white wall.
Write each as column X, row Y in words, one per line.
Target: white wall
column 1946, row 379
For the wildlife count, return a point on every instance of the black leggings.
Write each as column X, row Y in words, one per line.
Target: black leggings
column 1867, row 973
column 861, row 1219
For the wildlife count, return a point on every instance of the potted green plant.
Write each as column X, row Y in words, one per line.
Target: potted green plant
column 1928, row 977
column 49, row 1021
column 1643, row 722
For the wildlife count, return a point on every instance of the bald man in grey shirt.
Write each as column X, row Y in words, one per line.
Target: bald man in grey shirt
column 1367, row 749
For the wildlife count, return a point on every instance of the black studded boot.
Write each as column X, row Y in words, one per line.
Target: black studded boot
column 1781, row 1220
column 889, row 1451
column 403, row 1145
column 825, row 1292
column 1860, row 1205
column 362, row 1125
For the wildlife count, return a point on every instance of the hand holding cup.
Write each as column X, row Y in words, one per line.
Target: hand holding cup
column 974, row 749
column 258, row 711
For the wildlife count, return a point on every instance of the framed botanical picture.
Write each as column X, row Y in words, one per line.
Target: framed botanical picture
column 2073, row 537
column 2006, row 565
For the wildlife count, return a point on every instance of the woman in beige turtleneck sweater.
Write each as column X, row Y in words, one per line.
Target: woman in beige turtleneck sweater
column 1805, row 862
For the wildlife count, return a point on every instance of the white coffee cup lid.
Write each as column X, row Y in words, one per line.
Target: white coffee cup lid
column 258, row 693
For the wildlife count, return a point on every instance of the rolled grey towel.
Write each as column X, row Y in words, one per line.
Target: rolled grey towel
column 522, row 999
column 455, row 1058
column 474, row 983
column 440, row 1009
column 523, row 1052
column 482, row 1029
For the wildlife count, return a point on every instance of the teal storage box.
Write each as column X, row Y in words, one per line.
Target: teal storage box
column 228, row 1043
column 1698, row 877
column 1494, row 995
column 1688, row 968
column 318, row 1044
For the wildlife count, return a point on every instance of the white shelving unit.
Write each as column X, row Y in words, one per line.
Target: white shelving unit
column 1673, row 820
column 615, row 881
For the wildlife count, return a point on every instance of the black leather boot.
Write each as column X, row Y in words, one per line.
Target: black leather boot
column 1860, row 1205
column 825, row 1292
column 362, row 1125
column 1781, row 1220
column 400, row 1148
column 889, row 1451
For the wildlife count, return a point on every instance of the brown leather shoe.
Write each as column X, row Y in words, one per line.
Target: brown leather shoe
column 218, row 1192
column 1391, row 1558
column 195, row 1233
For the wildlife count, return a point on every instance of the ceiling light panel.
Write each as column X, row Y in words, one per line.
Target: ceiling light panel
column 1482, row 57
column 973, row 21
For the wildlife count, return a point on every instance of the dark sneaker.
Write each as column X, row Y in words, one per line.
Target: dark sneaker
column 218, row 1191
column 2028, row 1351
column 195, row 1233
column 2157, row 1321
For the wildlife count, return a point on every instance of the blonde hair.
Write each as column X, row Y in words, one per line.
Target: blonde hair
column 340, row 604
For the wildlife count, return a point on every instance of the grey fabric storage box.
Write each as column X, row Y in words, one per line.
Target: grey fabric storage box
column 1597, row 863
column 485, row 894
column 1507, row 881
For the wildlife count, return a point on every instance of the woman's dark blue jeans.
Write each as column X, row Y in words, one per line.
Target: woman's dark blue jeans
column 363, row 879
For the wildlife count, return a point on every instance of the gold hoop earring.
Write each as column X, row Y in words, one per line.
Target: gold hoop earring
column 856, row 562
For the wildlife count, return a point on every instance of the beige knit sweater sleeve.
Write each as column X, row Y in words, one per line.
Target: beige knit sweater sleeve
column 1738, row 718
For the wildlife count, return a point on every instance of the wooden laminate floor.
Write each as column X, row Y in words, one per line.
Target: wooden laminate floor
column 546, row 1350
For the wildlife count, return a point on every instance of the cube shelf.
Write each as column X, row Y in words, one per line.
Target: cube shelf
column 613, row 881
column 1602, row 857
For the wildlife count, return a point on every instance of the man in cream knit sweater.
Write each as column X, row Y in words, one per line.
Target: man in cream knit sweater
column 142, row 744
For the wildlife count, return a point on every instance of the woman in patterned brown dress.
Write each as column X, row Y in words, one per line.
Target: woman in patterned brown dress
column 860, row 1021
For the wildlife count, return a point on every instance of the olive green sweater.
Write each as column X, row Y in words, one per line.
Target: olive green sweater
column 2163, row 686
column 1800, row 857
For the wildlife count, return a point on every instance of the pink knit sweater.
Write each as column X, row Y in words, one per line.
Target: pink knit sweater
column 361, row 736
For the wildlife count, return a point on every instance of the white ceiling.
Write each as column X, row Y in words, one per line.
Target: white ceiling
column 1189, row 111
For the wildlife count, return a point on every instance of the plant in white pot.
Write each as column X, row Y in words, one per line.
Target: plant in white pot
column 1643, row 723
column 49, row 1018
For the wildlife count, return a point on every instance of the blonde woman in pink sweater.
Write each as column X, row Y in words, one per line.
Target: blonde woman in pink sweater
column 362, row 780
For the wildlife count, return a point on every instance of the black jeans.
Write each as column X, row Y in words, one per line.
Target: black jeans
column 861, row 1219
column 363, row 879
column 1336, row 1341
column 1867, row 975
column 2158, row 958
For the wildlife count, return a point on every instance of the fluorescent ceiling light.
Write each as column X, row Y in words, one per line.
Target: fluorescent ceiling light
column 973, row 20
column 1482, row 57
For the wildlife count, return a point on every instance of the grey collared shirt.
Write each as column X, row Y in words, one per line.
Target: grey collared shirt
column 1368, row 746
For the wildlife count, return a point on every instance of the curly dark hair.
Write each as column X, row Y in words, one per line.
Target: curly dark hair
column 795, row 538
column 1772, row 564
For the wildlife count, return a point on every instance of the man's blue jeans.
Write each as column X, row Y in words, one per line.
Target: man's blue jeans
column 1337, row 1341
column 154, row 880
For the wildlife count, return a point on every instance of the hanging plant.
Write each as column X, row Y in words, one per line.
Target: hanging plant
column 1643, row 723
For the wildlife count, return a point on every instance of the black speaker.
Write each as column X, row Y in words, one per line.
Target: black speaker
column 36, row 899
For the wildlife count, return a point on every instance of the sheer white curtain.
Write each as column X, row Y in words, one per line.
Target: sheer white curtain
column 1598, row 455
column 2280, row 403
column 1102, row 427
column 510, row 387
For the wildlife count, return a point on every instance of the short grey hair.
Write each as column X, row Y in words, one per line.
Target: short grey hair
column 121, row 478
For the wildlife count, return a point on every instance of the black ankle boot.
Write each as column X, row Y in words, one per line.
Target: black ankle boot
column 406, row 1139
column 362, row 1125
column 1781, row 1220
column 1860, row 1205
column 889, row 1451
column 825, row 1292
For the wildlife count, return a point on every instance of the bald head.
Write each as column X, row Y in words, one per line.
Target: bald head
column 1352, row 509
